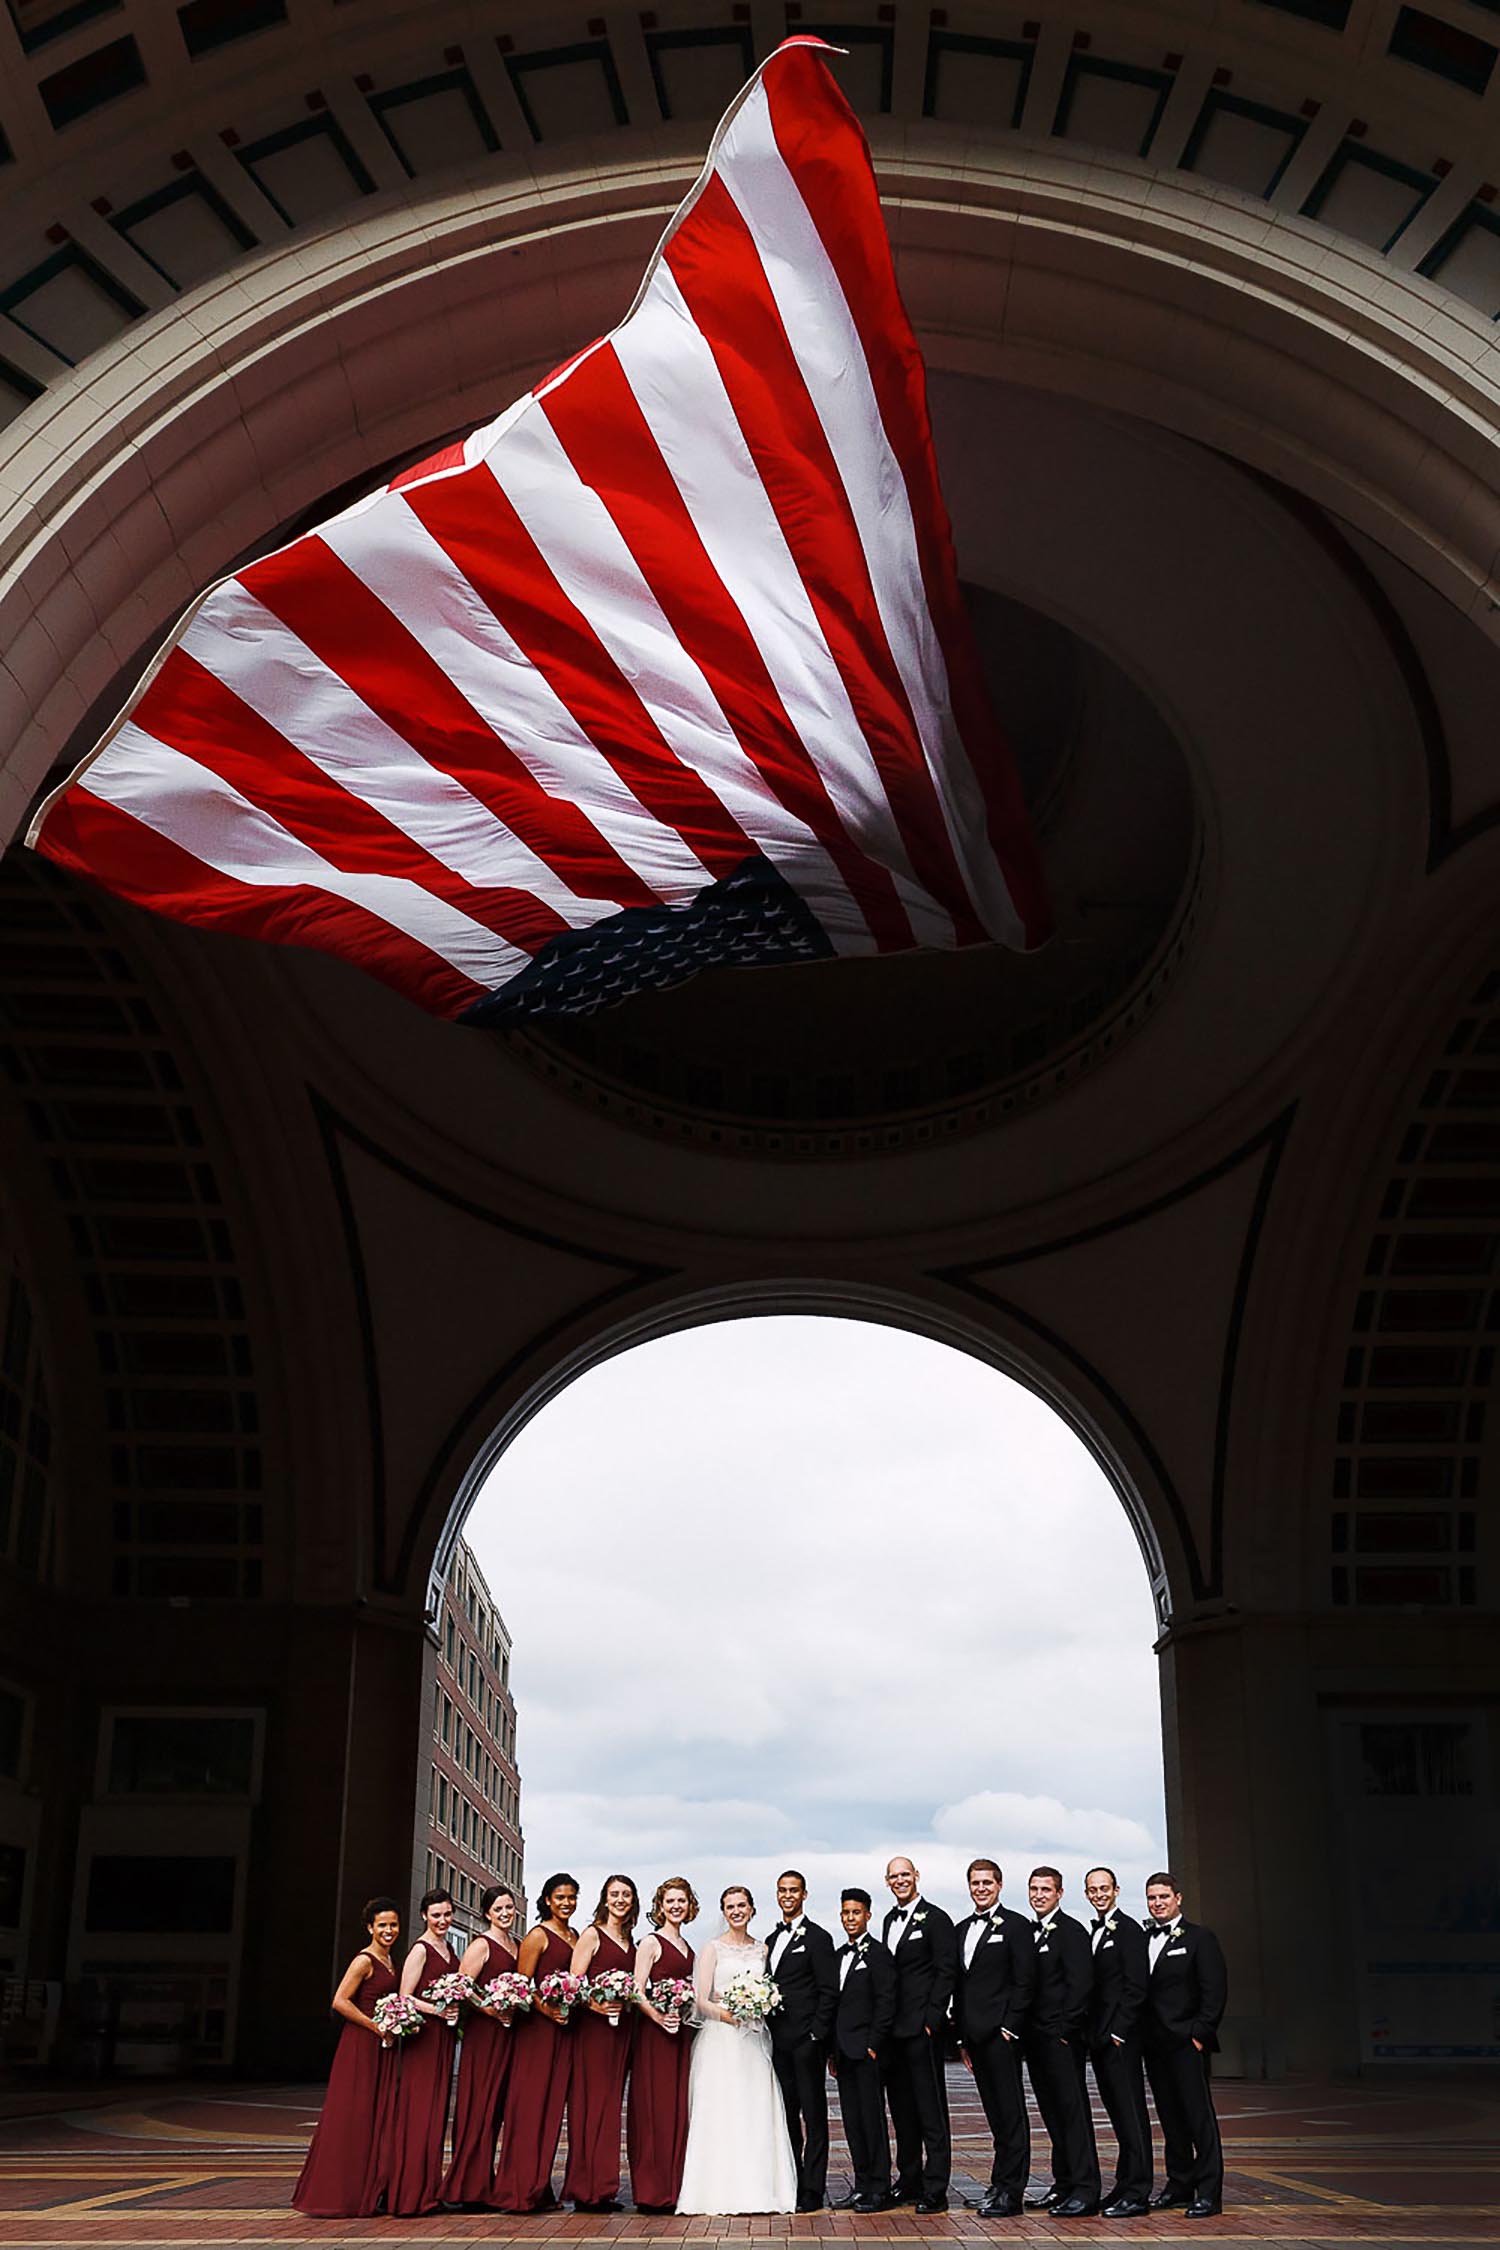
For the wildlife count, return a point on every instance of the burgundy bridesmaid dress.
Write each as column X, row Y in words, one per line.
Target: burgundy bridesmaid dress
column 601, row 2057
column 344, row 2176
column 535, row 2098
column 483, row 2068
column 656, row 2113
column 421, row 2107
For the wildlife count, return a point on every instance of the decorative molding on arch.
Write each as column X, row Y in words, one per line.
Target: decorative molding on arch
column 169, row 454
column 450, row 1313
column 1187, row 1344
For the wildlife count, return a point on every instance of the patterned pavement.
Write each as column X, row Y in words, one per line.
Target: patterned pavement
column 190, row 2164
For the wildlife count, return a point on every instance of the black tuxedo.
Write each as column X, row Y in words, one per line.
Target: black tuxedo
column 803, row 1968
column 1186, row 1992
column 991, row 2001
column 862, row 2021
column 1119, row 1994
column 924, row 1961
column 1056, row 2051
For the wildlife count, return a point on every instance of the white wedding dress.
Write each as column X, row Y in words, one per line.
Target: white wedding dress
column 739, row 2154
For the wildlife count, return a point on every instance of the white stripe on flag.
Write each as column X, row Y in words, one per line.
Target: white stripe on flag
column 250, row 651
column 676, row 383
column 828, row 350
column 407, row 569
column 197, row 809
column 581, row 545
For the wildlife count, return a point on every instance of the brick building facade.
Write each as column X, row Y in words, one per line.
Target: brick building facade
column 469, row 1798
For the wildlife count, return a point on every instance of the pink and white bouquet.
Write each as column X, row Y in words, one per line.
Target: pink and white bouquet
column 671, row 1996
column 510, row 1990
column 451, row 1992
column 751, row 1999
column 395, row 2017
column 613, row 1989
column 561, row 1990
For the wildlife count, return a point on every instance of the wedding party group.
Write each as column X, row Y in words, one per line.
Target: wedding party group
column 718, row 2062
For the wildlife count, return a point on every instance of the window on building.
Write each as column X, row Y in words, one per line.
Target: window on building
column 447, row 1724
column 448, row 1640
column 144, row 1892
column 181, row 1753
column 1422, row 1758
column 442, row 1801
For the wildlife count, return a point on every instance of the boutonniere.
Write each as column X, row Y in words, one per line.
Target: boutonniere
column 920, row 1915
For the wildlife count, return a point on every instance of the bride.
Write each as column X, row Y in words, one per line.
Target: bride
column 739, row 2155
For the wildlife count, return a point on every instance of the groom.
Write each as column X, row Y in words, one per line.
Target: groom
column 800, row 1959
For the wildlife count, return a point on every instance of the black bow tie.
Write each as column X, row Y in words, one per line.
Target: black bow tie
column 1159, row 1929
column 1102, row 1922
column 788, row 1927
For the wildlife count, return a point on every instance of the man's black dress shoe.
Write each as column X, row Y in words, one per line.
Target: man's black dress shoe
column 866, row 2203
column 925, row 2205
column 1201, row 2208
column 999, row 2207
column 1169, row 2199
column 1125, row 2207
column 1042, row 2202
column 1076, row 2207
column 892, row 2200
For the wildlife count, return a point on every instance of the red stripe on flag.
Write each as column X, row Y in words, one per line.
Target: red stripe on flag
column 321, row 599
column 448, row 457
column 824, row 149
column 133, row 861
column 609, row 442
column 715, row 264
column 478, row 529
column 191, row 711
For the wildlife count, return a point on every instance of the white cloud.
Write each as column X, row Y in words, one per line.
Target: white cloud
column 815, row 1591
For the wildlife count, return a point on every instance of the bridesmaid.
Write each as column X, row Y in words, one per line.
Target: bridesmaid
column 601, row 2054
column 483, row 2058
column 538, row 2089
column 656, row 2113
column 421, row 2106
column 344, row 2176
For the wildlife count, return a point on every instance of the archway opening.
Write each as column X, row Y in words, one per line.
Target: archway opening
column 809, row 1588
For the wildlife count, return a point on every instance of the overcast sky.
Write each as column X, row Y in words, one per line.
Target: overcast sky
column 812, row 1591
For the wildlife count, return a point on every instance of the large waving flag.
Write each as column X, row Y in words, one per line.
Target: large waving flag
column 665, row 667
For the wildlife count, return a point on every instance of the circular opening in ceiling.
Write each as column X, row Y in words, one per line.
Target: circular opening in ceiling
column 839, row 1056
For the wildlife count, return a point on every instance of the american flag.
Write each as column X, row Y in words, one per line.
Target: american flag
column 665, row 666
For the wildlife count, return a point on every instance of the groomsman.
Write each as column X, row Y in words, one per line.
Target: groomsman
column 920, row 1940
column 799, row 1957
column 1056, row 2049
column 1186, row 1993
column 996, row 1979
column 861, row 2027
column 1119, row 1994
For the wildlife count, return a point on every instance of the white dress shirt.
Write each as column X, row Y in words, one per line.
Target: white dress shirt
column 976, row 1933
column 1159, row 1939
column 897, row 1930
column 784, row 1937
column 856, row 1946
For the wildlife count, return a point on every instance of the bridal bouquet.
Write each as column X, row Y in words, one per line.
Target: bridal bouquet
column 672, row 1996
column 614, row 1990
column 509, row 1990
column 561, row 1991
column 451, row 1991
column 751, row 1999
column 395, row 2017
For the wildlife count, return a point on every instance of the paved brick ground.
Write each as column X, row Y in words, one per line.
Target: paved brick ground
column 1307, row 2165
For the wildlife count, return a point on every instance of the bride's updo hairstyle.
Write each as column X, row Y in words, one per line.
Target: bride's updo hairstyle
column 554, row 1883
column 735, row 1890
column 601, row 1911
column 673, row 1883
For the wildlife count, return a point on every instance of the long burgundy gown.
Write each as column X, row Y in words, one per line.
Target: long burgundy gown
column 420, row 2114
column 656, row 2112
column 344, row 2176
column 601, row 2057
column 535, row 2098
column 483, row 2068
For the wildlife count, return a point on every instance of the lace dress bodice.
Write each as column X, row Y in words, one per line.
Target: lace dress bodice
column 731, row 1962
